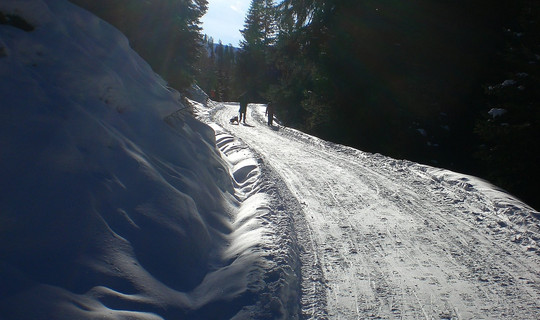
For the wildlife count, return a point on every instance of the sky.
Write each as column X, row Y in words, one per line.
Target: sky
column 224, row 20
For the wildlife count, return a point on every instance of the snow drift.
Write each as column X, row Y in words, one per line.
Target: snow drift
column 115, row 203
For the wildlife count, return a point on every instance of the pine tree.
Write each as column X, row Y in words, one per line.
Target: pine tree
column 165, row 33
column 260, row 26
column 259, row 35
column 205, row 76
column 216, row 71
column 302, row 85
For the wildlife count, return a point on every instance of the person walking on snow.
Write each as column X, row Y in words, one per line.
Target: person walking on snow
column 243, row 107
column 270, row 113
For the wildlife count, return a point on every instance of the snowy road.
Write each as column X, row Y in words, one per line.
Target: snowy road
column 395, row 239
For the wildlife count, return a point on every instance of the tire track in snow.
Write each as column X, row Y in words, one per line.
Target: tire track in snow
column 464, row 243
column 394, row 241
column 297, row 245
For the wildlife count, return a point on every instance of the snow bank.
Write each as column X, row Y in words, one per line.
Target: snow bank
column 107, row 210
column 488, row 206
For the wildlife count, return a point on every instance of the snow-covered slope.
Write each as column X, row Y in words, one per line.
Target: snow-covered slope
column 114, row 203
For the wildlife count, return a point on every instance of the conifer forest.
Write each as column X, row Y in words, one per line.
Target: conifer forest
column 453, row 84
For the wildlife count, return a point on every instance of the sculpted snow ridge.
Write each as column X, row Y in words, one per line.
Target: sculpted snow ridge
column 110, row 207
column 264, row 225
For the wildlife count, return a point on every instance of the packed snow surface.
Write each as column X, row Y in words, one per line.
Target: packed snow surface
column 390, row 239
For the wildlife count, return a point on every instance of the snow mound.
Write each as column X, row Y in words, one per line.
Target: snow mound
column 115, row 204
